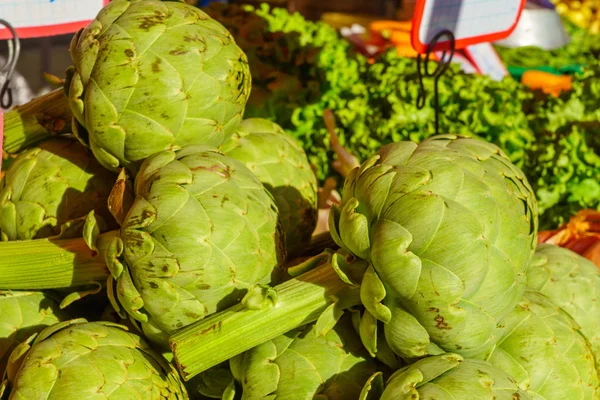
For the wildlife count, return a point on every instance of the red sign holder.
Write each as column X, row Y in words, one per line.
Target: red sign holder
column 39, row 18
column 471, row 21
column 443, row 28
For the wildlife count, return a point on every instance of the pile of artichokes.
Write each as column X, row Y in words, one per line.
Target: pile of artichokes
column 160, row 246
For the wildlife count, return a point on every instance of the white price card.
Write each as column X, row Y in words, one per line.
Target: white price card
column 37, row 18
column 470, row 21
column 487, row 61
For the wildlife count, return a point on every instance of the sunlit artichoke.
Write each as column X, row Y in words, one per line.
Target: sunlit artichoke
column 449, row 227
column 21, row 315
column 302, row 365
column 572, row 282
column 281, row 165
column 96, row 360
column 154, row 75
column 542, row 348
column 201, row 231
column 49, row 185
column 445, row 377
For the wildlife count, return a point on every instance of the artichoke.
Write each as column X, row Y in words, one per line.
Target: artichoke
column 50, row 185
column 542, row 348
column 150, row 76
column 445, row 377
column 303, row 365
column 449, row 227
column 79, row 359
column 281, row 165
column 21, row 315
column 436, row 237
column 201, row 232
column 572, row 282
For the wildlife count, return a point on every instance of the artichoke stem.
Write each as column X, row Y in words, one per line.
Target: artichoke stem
column 52, row 263
column 224, row 335
column 40, row 119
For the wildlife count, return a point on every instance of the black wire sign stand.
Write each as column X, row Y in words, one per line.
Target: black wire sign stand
column 441, row 67
column 14, row 49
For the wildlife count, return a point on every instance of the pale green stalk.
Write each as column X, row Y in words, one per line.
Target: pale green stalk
column 299, row 301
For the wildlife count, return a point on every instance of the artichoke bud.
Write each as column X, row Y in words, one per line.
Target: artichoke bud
column 159, row 70
column 281, row 165
column 202, row 229
column 50, row 189
column 91, row 357
column 447, row 227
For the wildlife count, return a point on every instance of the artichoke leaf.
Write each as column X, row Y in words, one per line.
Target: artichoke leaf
column 372, row 293
column 368, row 332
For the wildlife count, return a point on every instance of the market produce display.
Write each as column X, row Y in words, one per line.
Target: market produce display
column 160, row 236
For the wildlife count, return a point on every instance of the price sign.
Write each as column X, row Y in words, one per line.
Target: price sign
column 37, row 18
column 470, row 21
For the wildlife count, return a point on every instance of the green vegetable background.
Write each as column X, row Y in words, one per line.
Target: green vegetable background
column 301, row 68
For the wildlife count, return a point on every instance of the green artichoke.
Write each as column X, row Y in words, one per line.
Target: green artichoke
column 52, row 184
column 90, row 360
column 572, row 282
column 201, row 232
column 302, row 365
column 150, row 76
column 449, row 227
column 21, row 315
column 445, row 377
column 281, row 165
column 542, row 348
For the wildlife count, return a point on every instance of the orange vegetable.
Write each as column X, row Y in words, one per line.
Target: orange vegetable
column 395, row 32
column 379, row 26
column 400, row 37
column 406, row 51
column 581, row 235
column 547, row 82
